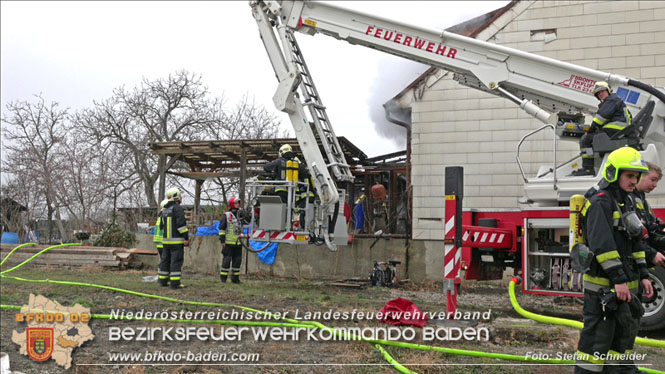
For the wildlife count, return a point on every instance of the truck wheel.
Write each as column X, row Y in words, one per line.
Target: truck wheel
column 654, row 316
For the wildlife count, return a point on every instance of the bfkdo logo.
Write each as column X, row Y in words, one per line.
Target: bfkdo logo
column 53, row 331
column 40, row 343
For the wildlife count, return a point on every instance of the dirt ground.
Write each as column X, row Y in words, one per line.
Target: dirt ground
column 509, row 333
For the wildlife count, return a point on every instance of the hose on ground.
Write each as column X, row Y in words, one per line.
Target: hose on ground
column 291, row 322
column 565, row 322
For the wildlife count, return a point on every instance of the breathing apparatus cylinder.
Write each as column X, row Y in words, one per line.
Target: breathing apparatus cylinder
column 575, row 234
column 289, row 171
column 580, row 255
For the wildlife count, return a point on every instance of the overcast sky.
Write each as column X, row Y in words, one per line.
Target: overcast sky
column 76, row 52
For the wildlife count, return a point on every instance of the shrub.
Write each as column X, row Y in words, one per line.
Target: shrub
column 114, row 236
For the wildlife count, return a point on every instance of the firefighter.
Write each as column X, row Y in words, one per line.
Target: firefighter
column 656, row 227
column 277, row 168
column 612, row 116
column 175, row 239
column 230, row 228
column 611, row 308
column 158, row 236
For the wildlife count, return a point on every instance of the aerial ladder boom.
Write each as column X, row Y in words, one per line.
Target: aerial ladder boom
column 541, row 86
column 547, row 89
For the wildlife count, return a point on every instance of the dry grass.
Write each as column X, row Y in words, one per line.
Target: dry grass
column 92, row 269
column 133, row 370
column 423, row 362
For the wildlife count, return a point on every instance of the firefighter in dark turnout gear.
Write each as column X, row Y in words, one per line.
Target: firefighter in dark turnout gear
column 618, row 269
column 278, row 169
column 655, row 252
column 175, row 239
column 230, row 228
column 612, row 116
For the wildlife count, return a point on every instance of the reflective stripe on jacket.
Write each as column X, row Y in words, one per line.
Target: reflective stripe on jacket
column 617, row 257
column 230, row 229
column 174, row 224
column 613, row 114
column 158, row 237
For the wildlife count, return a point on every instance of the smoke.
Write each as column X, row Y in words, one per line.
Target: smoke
column 394, row 75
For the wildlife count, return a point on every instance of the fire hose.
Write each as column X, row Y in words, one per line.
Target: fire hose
column 287, row 321
column 563, row 321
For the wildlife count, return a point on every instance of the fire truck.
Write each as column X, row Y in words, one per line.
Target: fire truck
column 533, row 238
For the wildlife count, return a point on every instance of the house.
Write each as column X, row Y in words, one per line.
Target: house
column 454, row 125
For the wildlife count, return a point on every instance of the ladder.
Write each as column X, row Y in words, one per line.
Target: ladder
column 320, row 121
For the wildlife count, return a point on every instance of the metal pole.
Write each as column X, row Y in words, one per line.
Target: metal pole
column 454, row 186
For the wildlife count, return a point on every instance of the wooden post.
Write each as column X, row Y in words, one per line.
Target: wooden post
column 243, row 173
column 197, row 199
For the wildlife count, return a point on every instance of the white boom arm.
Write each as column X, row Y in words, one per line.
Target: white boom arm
column 541, row 86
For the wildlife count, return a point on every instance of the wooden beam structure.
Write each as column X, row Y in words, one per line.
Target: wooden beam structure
column 244, row 158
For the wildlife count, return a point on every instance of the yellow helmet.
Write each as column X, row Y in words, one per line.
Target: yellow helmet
column 173, row 194
column 285, row 148
column 163, row 203
column 601, row 86
column 625, row 158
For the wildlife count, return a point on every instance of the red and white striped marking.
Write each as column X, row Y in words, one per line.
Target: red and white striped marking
column 449, row 255
column 477, row 236
column 279, row 236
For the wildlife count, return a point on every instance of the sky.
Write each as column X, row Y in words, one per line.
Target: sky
column 79, row 51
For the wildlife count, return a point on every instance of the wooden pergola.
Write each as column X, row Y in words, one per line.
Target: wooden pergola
column 237, row 158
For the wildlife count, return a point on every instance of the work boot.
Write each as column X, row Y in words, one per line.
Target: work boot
column 582, row 173
column 176, row 285
column 235, row 278
column 587, row 168
column 223, row 278
column 163, row 282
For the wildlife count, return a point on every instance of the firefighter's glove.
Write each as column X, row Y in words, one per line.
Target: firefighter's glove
column 636, row 307
column 609, row 302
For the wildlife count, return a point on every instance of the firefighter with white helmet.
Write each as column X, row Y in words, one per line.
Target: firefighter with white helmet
column 230, row 229
column 612, row 116
column 618, row 271
column 175, row 238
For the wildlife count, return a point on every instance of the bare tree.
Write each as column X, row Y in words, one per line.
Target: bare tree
column 171, row 109
column 34, row 136
column 247, row 120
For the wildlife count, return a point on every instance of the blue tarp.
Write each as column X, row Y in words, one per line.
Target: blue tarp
column 267, row 255
column 208, row 230
column 358, row 217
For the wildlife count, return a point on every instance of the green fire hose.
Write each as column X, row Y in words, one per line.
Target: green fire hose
column 566, row 322
column 288, row 322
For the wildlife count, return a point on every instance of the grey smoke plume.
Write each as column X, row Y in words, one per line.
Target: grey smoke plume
column 395, row 74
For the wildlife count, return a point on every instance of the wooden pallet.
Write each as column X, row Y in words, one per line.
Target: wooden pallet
column 69, row 256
